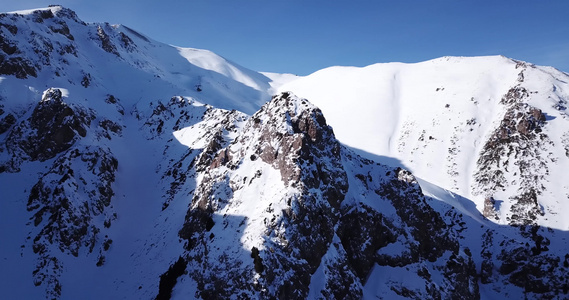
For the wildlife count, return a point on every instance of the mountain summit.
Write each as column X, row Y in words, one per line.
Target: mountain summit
column 134, row 169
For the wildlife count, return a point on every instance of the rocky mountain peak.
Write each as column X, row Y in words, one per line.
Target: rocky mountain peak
column 52, row 128
column 291, row 134
column 300, row 223
column 17, row 40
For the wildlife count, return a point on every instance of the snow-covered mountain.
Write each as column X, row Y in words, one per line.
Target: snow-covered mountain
column 134, row 169
column 452, row 119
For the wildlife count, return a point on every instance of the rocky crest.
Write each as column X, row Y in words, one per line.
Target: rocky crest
column 53, row 127
column 15, row 60
column 307, row 225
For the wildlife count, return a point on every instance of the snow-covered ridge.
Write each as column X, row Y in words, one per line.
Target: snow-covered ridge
column 52, row 8
column 210, row 61
column 75, row 52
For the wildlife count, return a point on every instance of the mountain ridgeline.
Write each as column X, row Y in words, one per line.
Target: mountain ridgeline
column 134, row 169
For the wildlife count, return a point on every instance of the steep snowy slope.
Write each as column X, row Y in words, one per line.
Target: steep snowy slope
column 53, row 46
column 438, row 117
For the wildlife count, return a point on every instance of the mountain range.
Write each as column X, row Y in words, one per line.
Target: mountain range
column 132, row 169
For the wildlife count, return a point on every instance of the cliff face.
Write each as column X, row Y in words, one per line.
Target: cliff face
column 110, row 178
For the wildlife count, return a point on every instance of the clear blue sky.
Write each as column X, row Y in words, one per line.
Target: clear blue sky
column 303, row 36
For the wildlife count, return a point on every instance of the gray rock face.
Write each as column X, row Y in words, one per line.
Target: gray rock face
column 517, row 145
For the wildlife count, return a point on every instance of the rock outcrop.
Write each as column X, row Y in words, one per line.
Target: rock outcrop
column 305, row 226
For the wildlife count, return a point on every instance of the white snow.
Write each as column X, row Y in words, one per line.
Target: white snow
column 277, row 80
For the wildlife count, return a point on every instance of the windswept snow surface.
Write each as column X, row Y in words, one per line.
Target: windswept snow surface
column 375, row 107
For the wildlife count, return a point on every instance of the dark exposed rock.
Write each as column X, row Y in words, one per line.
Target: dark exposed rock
column 363, row 232
column 525, row 208
column 86, row 80
column 7, row 46
column 116, row 102
column 341, row 282
column 487, row 266
column 515, row 95
column 17, row 66
column 47, row 273
column 68, row 14
column 110, row 127
column 67, row 49
column 516, row 147
column 520, row 118
column 42, row 14
column 298, row 152
column 426, row 225
column 168, row 279
column 534, row 273
column 127, row 42
column 6, row 122
column 198, row 221
column 13, row 29
column 53, row 127
column 106, row 42
column 258, row 261
column 62, row 29
column 461, row 271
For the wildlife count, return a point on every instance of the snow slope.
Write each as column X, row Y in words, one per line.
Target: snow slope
column 117, row 58
column 435, row 117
